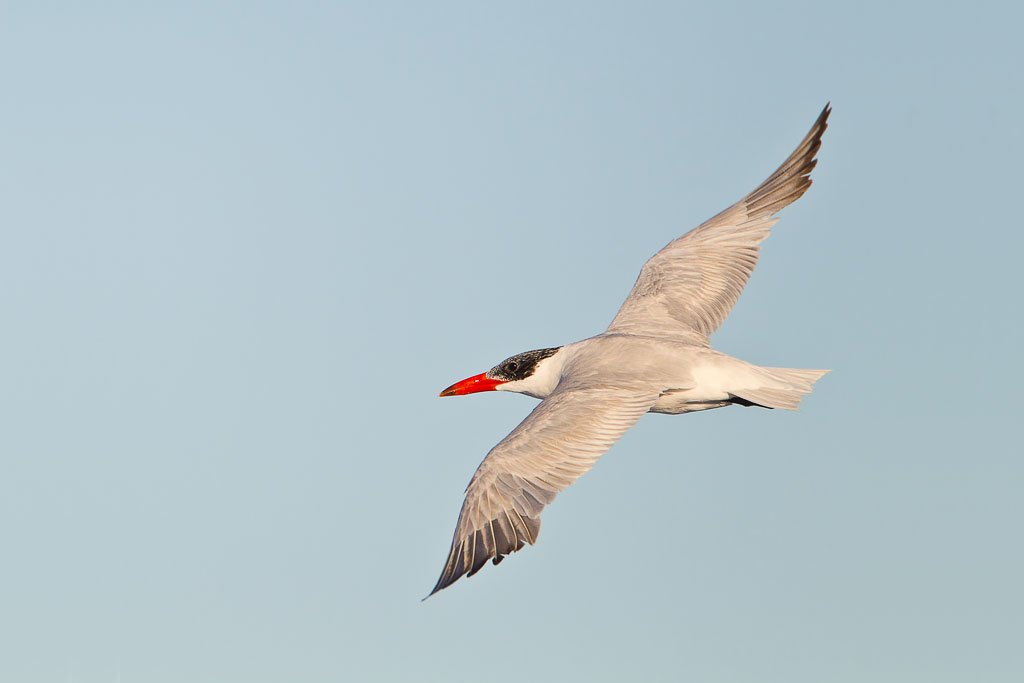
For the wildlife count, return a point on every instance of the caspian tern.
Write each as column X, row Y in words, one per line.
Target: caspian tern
column 654, row 357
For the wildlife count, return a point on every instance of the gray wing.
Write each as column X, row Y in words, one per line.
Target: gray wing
column 688, row 288
column 557, row 443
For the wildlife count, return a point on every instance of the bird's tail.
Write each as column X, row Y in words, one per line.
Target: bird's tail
column 783, row 387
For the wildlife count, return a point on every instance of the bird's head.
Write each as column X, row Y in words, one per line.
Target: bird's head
column 525, row 373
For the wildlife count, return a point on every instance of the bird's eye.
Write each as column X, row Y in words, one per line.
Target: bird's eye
column 512, row 367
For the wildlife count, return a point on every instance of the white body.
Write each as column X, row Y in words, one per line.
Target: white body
column 685, row 377
column 655, row 356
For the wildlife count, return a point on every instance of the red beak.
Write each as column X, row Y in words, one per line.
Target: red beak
column 471, row 385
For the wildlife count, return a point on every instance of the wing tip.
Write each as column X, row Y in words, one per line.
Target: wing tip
column 792, row 179
column 506, row 537
column 439, row 586
column 447, row 577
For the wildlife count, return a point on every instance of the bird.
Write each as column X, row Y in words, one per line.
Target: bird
column 655, row 356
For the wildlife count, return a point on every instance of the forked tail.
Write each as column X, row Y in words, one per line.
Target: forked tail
column 783, row 387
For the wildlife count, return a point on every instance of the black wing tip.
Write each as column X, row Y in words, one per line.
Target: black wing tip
column 448, row 578
column 817, row 130
column 437, row 588
column 814, row 135
column 821, row 123
column 506, row 536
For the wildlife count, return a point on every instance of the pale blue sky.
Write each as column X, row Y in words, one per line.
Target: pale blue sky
column 244, row 245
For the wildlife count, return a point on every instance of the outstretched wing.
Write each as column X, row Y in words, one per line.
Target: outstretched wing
column 560, row 440
column 688, row 288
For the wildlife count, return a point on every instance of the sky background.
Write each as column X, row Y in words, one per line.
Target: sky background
column 244, row 245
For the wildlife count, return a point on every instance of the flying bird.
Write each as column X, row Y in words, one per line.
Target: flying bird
column 655, row 357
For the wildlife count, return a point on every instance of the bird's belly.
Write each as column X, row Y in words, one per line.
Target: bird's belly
column 679, row 401
column 689, row 378
column 709, row 387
